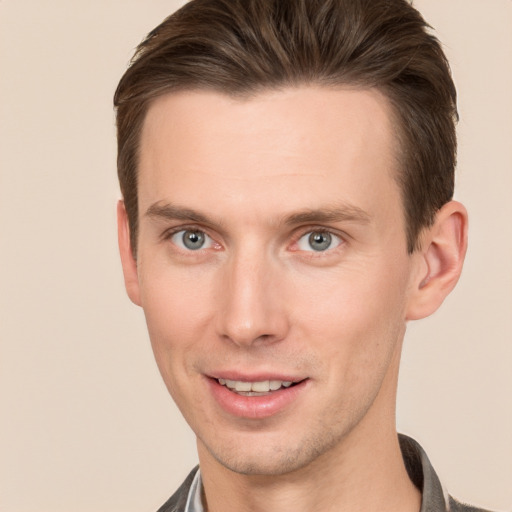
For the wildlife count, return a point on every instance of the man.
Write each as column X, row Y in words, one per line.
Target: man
column 287, row 177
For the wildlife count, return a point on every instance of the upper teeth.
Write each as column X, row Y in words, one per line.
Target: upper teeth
column 259, row 387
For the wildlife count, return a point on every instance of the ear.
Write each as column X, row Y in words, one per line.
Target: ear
column 128, row 262
column 439, row 261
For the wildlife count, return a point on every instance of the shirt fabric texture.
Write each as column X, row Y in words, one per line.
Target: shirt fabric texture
column 188, row 497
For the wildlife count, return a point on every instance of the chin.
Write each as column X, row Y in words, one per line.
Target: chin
column 273, row 460
column 256, row 466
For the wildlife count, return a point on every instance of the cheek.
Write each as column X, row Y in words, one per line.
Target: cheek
column 358, row 331
column 357, row 315
column 178, row 307
column 364, row 295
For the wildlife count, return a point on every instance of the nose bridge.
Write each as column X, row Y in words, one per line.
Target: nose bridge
column 252, row 307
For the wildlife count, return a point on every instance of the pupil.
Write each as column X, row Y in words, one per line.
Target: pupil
column 193, row 239
column 320, row 241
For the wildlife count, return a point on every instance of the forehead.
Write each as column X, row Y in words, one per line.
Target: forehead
column 310, row 145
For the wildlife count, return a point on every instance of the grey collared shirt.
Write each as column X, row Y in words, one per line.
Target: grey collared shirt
column 194, row 501
column 188, row 498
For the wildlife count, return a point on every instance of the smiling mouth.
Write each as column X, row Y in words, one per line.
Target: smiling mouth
column 259, row 388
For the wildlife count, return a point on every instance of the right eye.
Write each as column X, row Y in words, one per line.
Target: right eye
column 192, row 240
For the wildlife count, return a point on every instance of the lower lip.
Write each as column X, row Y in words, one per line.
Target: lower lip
column 255, row 407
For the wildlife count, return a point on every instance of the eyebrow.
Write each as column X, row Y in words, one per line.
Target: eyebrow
column 338, row 213
column 169, row 211
column 344, row 212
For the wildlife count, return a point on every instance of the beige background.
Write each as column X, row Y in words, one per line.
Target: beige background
column 86, row 424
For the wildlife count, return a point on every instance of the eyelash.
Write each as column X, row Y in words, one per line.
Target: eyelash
column 167, row 236
column 322, row 231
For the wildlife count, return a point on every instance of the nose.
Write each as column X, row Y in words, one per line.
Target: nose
column 252, row 302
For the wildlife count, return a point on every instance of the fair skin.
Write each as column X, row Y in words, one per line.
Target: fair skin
column 271, row 249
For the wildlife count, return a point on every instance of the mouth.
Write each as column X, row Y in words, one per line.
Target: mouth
column 257, row 397
column 257, row 388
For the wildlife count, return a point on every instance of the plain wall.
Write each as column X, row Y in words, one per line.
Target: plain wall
column 86, row 424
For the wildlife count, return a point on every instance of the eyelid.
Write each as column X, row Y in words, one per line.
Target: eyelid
column 342, row 238
column 299, row 233
column 168, row 234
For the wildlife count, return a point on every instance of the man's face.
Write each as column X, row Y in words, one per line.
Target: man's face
column 272, row 250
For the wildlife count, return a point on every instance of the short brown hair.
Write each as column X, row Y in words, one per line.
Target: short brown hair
column 241, row 47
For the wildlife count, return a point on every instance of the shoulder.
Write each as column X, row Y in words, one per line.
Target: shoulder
column 178, row 501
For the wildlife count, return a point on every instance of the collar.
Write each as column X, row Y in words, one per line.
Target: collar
column 194, row 500
column 423, row 476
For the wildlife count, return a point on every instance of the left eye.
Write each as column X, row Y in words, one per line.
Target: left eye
column 318, row 241
column 192, row 239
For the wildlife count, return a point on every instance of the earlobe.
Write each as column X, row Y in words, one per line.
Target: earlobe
column 128, row 261
column 440, row 260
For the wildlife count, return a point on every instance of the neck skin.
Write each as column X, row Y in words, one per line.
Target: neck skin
column 363, row 472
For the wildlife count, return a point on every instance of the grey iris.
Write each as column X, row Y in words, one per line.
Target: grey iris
column 193, row 240
column 320, row 241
